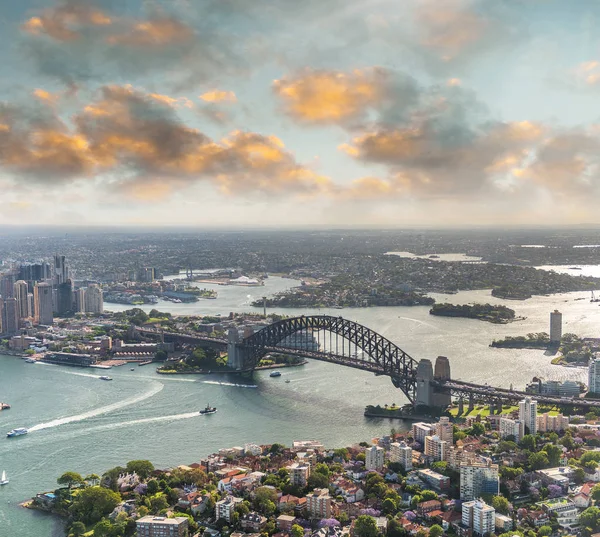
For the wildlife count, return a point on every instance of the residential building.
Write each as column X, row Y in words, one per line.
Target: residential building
column 21, row 290
column 64, row 297
column 445, row 430
column 318, row 504
column 508, row 427
column 252, row 522
column 594, row 376
column 400, row 452
column 528, row 415
column 503, row 523
column 420, row 430
column 160, row 526
column 436, row 448
column 547, row 423
column 479, row 517
column 94, row 299
column 9, row 307
column 565, row 510
column 434, row 479
column 61, row 271
column 285, row 522
column 299, row 474
column 42, row 297
column 225, row 507
column 561, row 476
column 478, row 478
column 374, row 458
column 555, row 326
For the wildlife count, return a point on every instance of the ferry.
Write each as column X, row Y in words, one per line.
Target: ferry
column 275, row 374
column 17, row 432
column 30, row 361
column 4, row 480
column 208, row 410
column 104, row 377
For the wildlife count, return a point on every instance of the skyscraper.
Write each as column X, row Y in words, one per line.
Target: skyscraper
column 20, row 293
column 7, row 282
column 42, row 297
column 64, row 297
column 555, row 326
column 400, row 452
column 61, row 271
column 10, row 316
column 374, row 458
column 80, row 299
column 528, row 415
column 478, row 478
column 479, row 516
column 594, row 376
column 94, row 299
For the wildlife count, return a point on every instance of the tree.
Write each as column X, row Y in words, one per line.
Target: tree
column 103, row 528
column 538, row 460
column 579, row 475
column 544, row 531
column 477, row 429
column 152, row 487
column 142, row 468
column 160, row 355
column 365, row 526
column 436, row 531
column 92, row 479
column 158, row 502
column 528, row 442
column 389, row 506
column 93, row 503
column 297, row 531
column 554, row 453
column 590, row 517
column 70, row 479
column 500, row 504
column 317, row 481
column 596, row 493
column 78, row 528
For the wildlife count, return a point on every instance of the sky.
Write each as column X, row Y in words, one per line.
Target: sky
column 287, row 113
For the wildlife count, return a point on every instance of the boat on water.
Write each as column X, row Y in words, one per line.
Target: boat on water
column 275, row 374
column 287, row 381
column 4, row 406
column 104, row 377
column 208, row 410
column 132, row 369
column 4, row 480
column 17, row 432
column 30, row 361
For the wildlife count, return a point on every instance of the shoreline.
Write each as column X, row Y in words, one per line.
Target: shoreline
column 230, row 371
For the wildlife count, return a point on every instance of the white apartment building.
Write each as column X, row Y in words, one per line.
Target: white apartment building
column 445, row 430
column 478, row 478
column 225, row 507
column 508, row 427
column 318, row 503
column 420, row 430
column 400, row 452
column 374, row 458
column 528, row 415
column 479, row 517
column 436, row 448
column 547, row 423
column 299, row 474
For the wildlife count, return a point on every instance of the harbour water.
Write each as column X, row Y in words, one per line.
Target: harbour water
column 77, row 422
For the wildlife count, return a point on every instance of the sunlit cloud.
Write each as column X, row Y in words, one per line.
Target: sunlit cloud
column 219, row 96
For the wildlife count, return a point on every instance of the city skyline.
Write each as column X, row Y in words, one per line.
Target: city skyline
column 469, row 112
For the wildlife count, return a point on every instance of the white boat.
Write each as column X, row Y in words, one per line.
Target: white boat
column 17, row 432
column 4, row 480
column 275, row 374
column 104, row 377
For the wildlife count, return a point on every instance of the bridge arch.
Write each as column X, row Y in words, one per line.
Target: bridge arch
column 379, row 354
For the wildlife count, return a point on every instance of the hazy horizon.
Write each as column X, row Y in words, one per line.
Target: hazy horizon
column 228, row 114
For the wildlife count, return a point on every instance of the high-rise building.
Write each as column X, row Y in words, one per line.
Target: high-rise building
column 594, row 376
column 7, row 283
column 10, row 316
column 80, row 299
column 436, row 448
column 508, row 427
column 35, row 272
column 546, row 423
column 420, row 430
column 61, row 271
column 299, row 474
column 528, row 415
column 145, row 274
column 374, row 458
column 478, row 478
column 479, row 517
column 318, row 503
column 20, row 293
column 555, row 326
column 30, row 304
column 400, row 452
column 445, row 430
column 42, row 297
column 64, row 297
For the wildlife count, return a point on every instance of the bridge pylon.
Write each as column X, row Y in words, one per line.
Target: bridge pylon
column 425, row 395
column 442, row 399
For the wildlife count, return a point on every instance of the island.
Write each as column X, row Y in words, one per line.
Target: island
column 484, row 312
column 540, row 340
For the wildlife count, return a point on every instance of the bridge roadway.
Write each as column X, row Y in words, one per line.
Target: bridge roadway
column 457, row 388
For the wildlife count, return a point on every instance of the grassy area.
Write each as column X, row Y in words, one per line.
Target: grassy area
column 484, row 411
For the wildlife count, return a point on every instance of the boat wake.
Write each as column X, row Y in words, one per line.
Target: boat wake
column 102, row 410
column 172, row 417
column 217, row 383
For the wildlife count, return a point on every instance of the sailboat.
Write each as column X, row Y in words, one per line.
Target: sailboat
column 4, row 480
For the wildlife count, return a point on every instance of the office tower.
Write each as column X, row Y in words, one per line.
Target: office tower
column 145, row 274
column 555, row 326
column 94, row 299
column 436, row 448
column 61, row 271
column 30, row 304
column 508, row 427
column 20, row 292
column 374, row 458
column 10, row 316
column 477, row 478
column 400, row 452
column 7, row 282
column 42, row 298
column 528, row 415
column 80, row 299
column 479, row 517
column 445, row 430
column 35, row 272
column 64, row 297
column 594, row 376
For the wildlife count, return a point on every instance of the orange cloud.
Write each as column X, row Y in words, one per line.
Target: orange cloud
column 330, row 96
column 158, row 32
column 218, row 96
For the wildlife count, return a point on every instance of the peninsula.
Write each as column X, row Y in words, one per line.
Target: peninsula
column 484, row 312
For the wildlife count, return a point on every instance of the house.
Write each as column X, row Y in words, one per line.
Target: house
column 583, row 498
column 428, row 506
column 285, row 522
column 287, row 501
column 252, row 522
column 537, row 518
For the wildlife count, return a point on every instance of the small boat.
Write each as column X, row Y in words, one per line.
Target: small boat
column 17, row 432
column 275, row 374
column 132, row 369
column 30, row 361
column 208, row 410
column 4, row 480
column 287, row 381
column 104, row 377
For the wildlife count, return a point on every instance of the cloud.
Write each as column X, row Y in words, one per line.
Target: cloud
column 140, row 143
column 79, row 42
column 344, row 98
column 219, row 96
